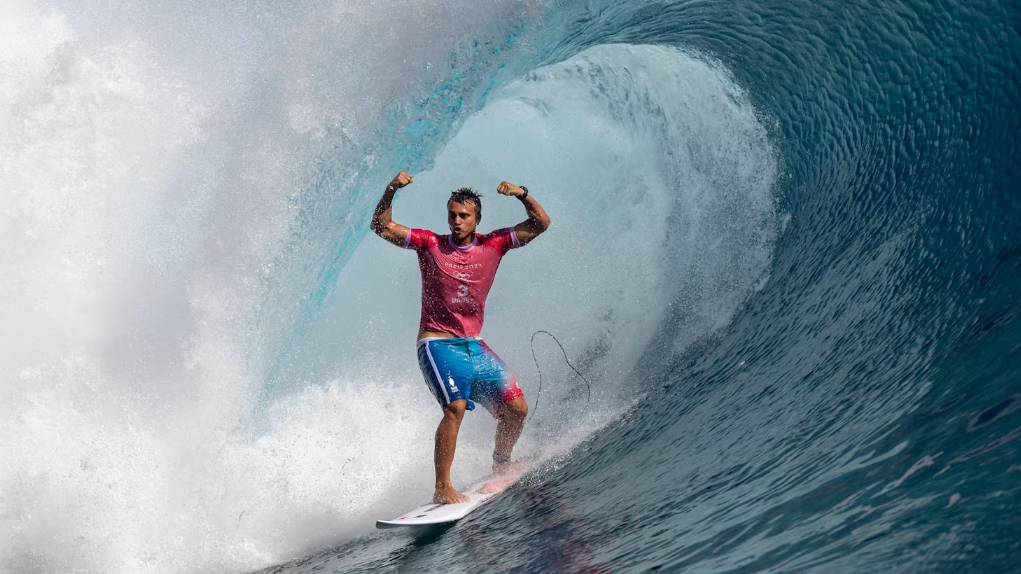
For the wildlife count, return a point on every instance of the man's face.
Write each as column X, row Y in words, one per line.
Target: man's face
column 461, row 219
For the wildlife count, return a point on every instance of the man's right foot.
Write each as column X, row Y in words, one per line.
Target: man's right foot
column 448, row 496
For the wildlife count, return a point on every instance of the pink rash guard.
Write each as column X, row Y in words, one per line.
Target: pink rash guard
column 456, row 280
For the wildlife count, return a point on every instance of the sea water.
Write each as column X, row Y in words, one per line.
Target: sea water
column 784, row 252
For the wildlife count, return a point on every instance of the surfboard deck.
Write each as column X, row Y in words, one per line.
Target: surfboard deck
column 439, row 514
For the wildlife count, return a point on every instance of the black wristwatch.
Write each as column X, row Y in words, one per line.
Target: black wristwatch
column 523, row 195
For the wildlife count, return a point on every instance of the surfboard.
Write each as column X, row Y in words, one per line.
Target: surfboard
column 440, row 514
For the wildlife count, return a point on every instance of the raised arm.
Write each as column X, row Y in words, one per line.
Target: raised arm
column 382, row 221
column 537, row 221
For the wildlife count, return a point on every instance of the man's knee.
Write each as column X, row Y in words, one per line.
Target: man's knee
column 455, row 410
column 517, row 408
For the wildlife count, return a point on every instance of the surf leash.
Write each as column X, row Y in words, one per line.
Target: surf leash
column 539, row 394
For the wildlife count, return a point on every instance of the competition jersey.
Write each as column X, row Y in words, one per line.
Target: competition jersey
column 456, row 280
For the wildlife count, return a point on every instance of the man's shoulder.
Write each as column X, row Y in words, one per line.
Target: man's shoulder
column 501, row 240
column 494, row 235
column 422, row 238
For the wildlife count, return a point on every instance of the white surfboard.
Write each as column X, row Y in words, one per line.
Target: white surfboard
column 439, row 514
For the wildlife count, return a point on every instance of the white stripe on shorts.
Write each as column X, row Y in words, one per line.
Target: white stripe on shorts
column 439, row 379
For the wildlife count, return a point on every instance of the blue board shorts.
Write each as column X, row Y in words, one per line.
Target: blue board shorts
column 456, row 369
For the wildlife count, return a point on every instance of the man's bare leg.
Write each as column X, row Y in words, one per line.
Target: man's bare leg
column 446, row 444
column 508, row 430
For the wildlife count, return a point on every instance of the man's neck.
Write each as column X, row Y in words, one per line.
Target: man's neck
column 464, row 242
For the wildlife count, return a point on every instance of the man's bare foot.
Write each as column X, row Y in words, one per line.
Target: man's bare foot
column 448, row 496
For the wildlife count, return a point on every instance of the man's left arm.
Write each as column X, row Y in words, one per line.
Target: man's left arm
column 537, row 221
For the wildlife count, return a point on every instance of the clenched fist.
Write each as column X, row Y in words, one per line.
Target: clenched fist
column 403, row 178
column 508, row 188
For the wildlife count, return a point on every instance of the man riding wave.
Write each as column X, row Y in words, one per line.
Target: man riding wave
column 457, row 272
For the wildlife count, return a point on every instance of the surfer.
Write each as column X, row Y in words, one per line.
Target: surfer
column 457, row 273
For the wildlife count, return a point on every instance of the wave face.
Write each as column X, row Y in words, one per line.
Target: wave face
column 784, row 251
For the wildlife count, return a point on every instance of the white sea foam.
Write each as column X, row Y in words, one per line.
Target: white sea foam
column 151, row 158
column 152, row 155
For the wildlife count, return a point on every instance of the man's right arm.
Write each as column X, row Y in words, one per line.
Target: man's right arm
column 382, row 219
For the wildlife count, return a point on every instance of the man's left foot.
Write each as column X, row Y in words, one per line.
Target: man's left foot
column 447, row 495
